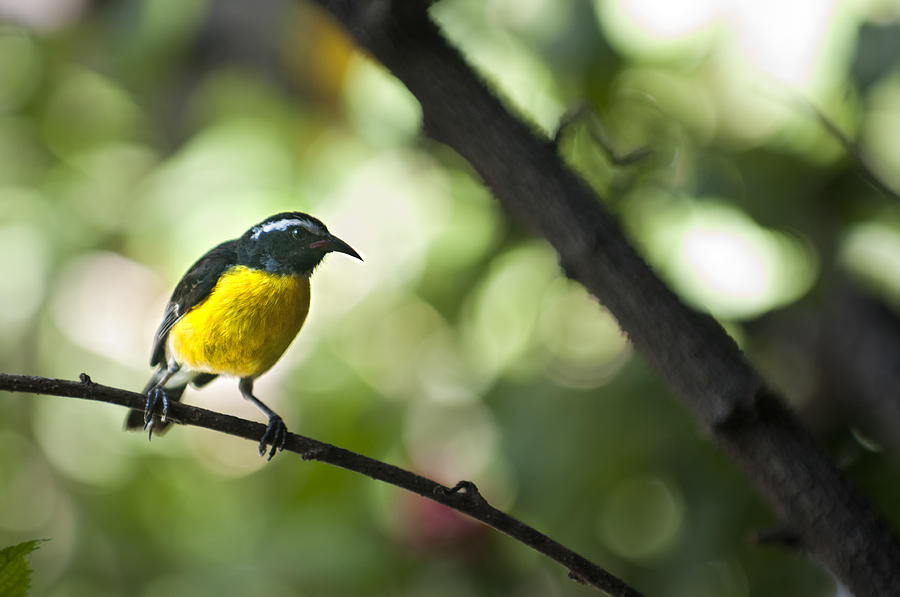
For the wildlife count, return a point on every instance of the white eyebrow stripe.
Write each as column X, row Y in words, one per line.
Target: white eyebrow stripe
column 284, row 225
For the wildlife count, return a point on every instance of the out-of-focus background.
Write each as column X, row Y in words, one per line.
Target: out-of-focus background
column 135, row 135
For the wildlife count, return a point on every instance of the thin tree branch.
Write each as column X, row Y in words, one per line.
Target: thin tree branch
column 854, row 149
column 690, row 350
column 464, row 497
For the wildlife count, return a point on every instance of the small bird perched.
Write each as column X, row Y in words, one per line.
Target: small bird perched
column 234, row 313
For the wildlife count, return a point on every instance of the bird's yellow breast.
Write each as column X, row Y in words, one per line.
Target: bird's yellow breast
column 244, row 325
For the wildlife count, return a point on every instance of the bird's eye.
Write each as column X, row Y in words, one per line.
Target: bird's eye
column 295, row 231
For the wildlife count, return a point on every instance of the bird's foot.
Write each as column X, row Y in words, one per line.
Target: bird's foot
column 276, row 434
column 156, row 400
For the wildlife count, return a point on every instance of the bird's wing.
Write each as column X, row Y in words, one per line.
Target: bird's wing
column 192, row 290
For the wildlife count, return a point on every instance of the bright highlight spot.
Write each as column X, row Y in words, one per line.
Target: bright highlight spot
column 104, row 302
column 780, row 40
column 733, row 266
column 736, row 268
column 395, row 250
column 672, row 19
column 719, row 259
column 753, row 60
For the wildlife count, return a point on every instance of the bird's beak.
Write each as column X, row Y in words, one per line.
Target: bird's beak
column 338, row 246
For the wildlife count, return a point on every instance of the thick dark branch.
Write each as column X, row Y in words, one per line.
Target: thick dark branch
column 689, row 349
column 464, row 497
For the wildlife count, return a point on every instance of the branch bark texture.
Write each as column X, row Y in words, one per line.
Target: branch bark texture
column 464, row 497
column 694, row 355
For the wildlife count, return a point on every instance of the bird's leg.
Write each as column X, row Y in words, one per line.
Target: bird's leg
column 276, row 431
column 156, row 398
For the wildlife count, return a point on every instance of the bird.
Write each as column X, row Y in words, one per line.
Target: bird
column 234, row 313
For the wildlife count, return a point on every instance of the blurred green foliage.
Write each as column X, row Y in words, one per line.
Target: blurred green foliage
column 15, row 573
column 136, row 135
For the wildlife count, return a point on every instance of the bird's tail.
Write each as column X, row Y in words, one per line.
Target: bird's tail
column 135, row 418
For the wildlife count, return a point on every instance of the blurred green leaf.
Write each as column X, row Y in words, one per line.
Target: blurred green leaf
column 15, row 573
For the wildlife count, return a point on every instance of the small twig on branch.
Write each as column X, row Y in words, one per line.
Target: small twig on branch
column 464, row 497
column 598, row 133
column 853, row 149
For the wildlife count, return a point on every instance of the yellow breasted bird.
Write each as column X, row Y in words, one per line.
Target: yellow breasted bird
column 234, row 313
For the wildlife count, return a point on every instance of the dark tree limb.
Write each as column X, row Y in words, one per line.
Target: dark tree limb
column 464, row 497
column 690, row 350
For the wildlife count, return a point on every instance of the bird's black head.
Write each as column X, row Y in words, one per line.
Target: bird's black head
column 291, row 242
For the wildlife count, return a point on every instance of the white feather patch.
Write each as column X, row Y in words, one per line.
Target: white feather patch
column 284, row 225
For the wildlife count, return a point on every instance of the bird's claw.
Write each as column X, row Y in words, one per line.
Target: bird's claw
column 156, row 399
column 276, row 434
